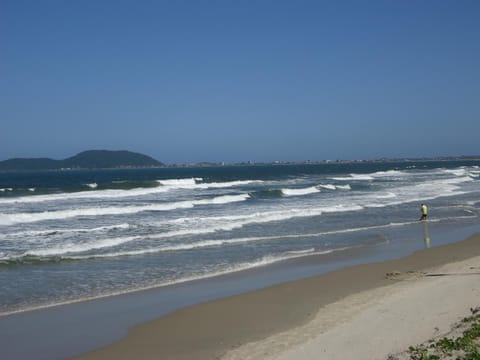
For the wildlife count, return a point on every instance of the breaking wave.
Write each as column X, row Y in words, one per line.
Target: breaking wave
column 300, row 192
column 15, row 218
column 161, row 186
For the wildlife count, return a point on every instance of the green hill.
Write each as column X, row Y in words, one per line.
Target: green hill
column 91, row 159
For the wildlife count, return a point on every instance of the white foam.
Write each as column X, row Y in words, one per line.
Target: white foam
column 95, row 194
column 180, row 247
column 301, row 252
column 197, row 226
column 328, row 186
column 68, row 251
column 357, row 177
column 50, row 232
column 389, row 173
column 180, row 183
column 164, row 186
column 71, row 248
column 212, row 243
column 274, row 258
column 216, row 224
column 15, row 218
column 300, row 192
column 197, row 183
column 456, row 172
column 344, row 187
column 387, row 195
column 10, row 219
column 229, row 222
column 373, row 176
column 228, row 184
column 418, row 192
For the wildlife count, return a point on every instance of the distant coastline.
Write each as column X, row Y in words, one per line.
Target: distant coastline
column 90, row 159
column 108, row 159
column 337, row 161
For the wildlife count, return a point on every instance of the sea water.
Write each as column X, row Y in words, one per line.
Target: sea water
column 79, row 234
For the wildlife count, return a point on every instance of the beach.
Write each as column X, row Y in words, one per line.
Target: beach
column 368, row 311
column 235, row 180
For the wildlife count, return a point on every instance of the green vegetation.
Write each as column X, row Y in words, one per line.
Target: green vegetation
column 102, row 159
column 464, row 347
column 92, row 159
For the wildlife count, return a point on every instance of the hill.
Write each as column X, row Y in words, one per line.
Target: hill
column 91, row 159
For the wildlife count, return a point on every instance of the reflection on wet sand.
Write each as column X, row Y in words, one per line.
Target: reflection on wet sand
column 426, row 234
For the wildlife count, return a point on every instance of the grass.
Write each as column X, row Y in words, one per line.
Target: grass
column 464, row 347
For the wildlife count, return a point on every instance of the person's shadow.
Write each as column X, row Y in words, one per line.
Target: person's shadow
column 426, row 234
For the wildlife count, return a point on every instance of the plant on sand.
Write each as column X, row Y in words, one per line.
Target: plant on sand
column 464, row 347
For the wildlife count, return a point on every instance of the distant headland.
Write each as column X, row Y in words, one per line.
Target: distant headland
column 91, row 159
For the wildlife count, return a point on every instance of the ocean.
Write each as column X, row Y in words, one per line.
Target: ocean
column 71, row 235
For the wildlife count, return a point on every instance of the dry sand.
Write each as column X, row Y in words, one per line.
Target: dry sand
column 379, row 323
column 363, row 312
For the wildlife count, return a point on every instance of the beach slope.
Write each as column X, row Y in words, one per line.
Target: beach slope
column 367, row 311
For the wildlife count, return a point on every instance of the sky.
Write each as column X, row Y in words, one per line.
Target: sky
column 240, row 80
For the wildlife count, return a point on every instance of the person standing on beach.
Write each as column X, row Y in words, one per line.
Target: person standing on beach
column 424, row 211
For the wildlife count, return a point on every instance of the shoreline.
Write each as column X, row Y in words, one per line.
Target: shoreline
column 232, row 325
column 380, row 323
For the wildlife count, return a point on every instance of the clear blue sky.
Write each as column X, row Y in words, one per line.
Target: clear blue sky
column 188, row 81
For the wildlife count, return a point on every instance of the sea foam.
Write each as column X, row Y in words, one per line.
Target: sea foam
column 300, row 192
column 15, row 218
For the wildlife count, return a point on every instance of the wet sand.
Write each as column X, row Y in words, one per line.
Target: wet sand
column 255, row 325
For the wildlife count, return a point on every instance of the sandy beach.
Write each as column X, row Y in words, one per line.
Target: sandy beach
column 366, row 311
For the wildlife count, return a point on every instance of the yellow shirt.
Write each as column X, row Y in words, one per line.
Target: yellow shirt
column 424, row 209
